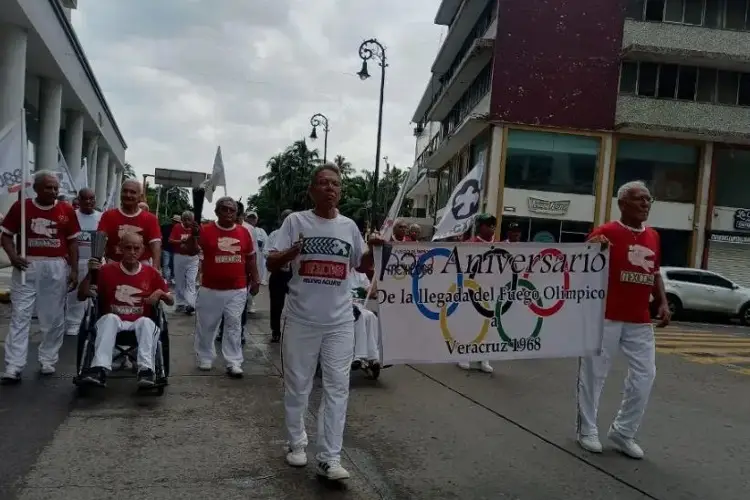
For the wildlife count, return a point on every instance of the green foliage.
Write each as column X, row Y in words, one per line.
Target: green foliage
column 169, row 201
column 284, row 186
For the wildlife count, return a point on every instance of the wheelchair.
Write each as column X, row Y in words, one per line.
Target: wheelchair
column 126, row 346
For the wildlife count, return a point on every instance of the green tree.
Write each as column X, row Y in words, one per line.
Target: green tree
column 285, row 183
column 128, row 172
column 169, row 200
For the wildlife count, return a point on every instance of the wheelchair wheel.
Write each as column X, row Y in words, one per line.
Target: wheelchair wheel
column 165, row 352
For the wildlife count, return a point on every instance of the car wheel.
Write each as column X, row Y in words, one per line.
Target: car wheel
column 745, row 315
column 674, row 304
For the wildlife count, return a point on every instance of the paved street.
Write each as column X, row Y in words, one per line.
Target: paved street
column 426, row 432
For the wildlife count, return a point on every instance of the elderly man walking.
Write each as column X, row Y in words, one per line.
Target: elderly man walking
column 185, row 263
column 88, row 220
column 43, row 277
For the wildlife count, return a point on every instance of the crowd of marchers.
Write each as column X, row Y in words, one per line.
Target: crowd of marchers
column 316, row 265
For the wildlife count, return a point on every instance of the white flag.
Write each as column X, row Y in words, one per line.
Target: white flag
column 68, row 186
column 12, row 157
column 217, row 177
column 110, row 203
column 463, row 205
column 386, row 231
column 82, row 179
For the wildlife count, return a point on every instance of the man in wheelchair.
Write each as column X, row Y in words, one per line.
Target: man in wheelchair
column 366, row 329
column 127, row 291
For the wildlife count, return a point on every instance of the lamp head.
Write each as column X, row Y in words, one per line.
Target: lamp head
column 314, row 133
column 363, row 73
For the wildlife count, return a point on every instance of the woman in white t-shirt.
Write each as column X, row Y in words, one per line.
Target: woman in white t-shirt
column 322, row 247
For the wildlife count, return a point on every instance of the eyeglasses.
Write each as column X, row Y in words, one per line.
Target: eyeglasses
column 226, row 208
column 328, row 182
column 645, row 198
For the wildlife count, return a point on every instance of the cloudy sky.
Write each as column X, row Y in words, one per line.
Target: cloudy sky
column 183, row 76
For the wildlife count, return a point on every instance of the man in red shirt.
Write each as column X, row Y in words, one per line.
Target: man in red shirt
column 127, row 291
column 185, row 263
column 132, row 218
column 634, row 259
column 51, row 244
column 229, row 269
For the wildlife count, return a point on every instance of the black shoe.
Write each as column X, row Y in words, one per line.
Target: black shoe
column 95, row 376
column 275, row 337
column 189, row 310
column 357, row 364
column 243, row 340
column 219, row 338
column 146, row 378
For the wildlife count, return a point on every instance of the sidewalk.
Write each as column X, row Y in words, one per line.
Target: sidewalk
column 207, row 437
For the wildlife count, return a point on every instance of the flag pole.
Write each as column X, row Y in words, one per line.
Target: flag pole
column 24, row 180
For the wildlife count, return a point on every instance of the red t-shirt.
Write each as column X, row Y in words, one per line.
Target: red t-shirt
column 115, row 224
column 477, row 239
column 225, row 252
column 125, row 294
column 634, row 260
column 180, row 233
column 48, row 229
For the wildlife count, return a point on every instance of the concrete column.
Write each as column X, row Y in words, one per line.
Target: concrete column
column 495, row 172
column 92, row 156
column 50, row 114
column 12, row 84
column 111, row 175
column 102, row 169
column 700, row 219
column 74, row 142
column 118, row 181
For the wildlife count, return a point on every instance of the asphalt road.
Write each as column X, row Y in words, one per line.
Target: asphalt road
column 423, row 432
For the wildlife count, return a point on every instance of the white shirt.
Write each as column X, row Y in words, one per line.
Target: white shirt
column 319, row 290
column 88, row 223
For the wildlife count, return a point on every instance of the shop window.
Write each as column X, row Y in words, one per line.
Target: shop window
column 732, row 178
column 669, row 169
column 543, row 161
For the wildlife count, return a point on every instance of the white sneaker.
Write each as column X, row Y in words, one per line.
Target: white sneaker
column 464, row 365
column 590, row 443
column 332, row 470
column 486, row 367
column 205, row 366
column 234, row 371
column 48, row 370
column 72, row 333
column 296, row 457
column 626, row 446
column 252, row 310
column 11, row 375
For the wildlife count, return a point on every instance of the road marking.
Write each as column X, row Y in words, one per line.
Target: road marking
column 723, row 349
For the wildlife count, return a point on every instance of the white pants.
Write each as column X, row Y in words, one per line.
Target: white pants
column 185, row 274
column 302, row 346
column 211, row 306
column 46, row 286
column 638, row 346
column 107, row 328
column 366, row 330
column 260, row 259
column 74, row 308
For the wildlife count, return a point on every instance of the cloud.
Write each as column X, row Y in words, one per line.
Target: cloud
column 183, row 76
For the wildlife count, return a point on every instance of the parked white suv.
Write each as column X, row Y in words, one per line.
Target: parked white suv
column 699, row 290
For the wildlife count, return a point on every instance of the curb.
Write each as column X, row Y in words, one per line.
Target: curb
column 4, row 296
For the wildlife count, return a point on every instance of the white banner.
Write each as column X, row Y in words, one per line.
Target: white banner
column 446, row 303
column 386, row 231
column 68, row 186
column 463, row 205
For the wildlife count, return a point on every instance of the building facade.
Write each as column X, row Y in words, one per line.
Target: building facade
column 567, row 104
column 44, row 71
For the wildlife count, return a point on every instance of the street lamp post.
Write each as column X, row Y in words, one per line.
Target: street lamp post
column 317, row 120
column 367, row 50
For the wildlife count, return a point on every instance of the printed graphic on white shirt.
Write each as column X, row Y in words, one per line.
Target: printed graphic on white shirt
column 44, row 234
column 88, row 223
column 321, row 270
column 130, row 300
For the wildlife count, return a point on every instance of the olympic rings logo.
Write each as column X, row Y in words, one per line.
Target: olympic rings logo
column 501, row 307
column 400, row 267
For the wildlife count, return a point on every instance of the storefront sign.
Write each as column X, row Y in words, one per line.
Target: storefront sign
column 730, row 238
column 540, row 206
column 742, row 220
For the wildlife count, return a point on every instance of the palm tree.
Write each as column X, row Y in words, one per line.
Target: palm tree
column 128, row 172
column 344, row 166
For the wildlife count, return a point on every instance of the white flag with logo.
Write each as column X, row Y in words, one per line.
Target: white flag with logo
column 386, row 231
column 462, row 206
column 217, row 177
column 12, row 156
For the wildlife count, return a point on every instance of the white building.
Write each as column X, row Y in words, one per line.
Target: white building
column 43, row 69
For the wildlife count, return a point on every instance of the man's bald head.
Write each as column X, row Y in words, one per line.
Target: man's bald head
column 131, row 193
column 131, row 237
column 85, row 192
column 133, row 184
column 86, row 200
column 131, row 247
